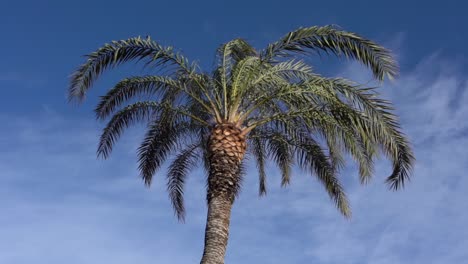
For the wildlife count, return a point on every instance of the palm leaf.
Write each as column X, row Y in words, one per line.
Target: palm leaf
column 162, row 137
column 228, row 54
column 382, row 126
column 259, row 152
column 131, row 114
column 118, row 52
column 131, row 87
column 280, row 152
column 311, row 157
column 176, row 176
column 338, row 42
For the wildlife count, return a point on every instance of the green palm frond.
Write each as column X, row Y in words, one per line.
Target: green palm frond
column 228, row 54
column 289, row 71
column 176, row 176
column 311, row 157
column 385, row 129
column 242, row 74
column 132, row 87
column 403, row 162
column 199, row 87
column 288, row 141
column 140, row 111
column 280, row 152
column 330, row 116
column 338, row 42
column 339, row 136
column 234, row 51
column 355, row 140
column 335, row 153
column 382, row 126
column 118, row 52
column 162, row 137
column 258, row 151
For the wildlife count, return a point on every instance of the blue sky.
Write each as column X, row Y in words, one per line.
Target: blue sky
column 61, row 204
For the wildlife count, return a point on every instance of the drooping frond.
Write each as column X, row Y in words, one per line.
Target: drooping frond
column 383, row 128
column 162, row 137
column 374, row 124
column 335, row 153
column 280, row 151
column 338, row 42
column 352, row 115
column 131, row 87
column 289, row 141
column 118, row 52
column 126, row 117
column 176, row 175
column 259, row 152
column 310, row 156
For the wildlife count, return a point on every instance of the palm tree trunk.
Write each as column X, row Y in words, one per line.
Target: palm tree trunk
column 226, row 150
column 217, row 231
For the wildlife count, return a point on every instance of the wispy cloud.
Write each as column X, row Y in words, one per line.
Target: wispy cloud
column 62, row 204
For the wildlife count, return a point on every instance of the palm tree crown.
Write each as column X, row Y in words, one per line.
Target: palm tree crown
column 283, row 109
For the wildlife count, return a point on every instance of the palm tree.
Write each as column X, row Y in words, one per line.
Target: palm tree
column 268, row 104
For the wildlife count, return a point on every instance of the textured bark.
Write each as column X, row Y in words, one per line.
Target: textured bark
column 217, row 230
column 226, row 150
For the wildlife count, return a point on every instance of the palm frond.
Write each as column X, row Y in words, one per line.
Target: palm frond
column 118, row 52
column 290, row 71
column 335, row 153
column 228, row 54
column 338, row 42
column 199, row 87
column 375, row 124
column 242, row 74
column 176, row 176
column 162, row 137
column 280, row 152
column 355, row 140
column 131, row 114
column 311, row 157
column 258, row 151
column 384, row 128
column 338, row 120
column 131, row 87
column 331, row 117
column 233, row 51
column 403, row 161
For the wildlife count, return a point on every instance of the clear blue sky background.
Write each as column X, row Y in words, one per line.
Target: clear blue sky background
column 60, row 204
